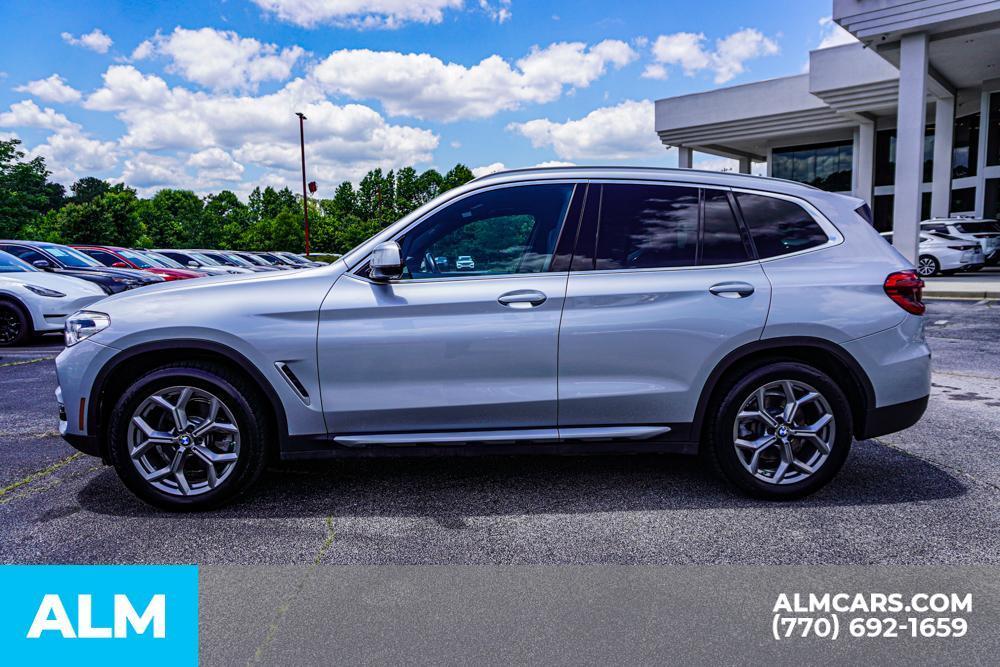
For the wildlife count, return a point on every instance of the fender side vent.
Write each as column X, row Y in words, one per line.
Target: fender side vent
column 292, row 381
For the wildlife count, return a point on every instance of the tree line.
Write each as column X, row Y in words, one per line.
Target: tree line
column 96, row 211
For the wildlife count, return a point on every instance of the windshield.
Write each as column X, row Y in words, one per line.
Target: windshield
column 236, row 259
column 293, row 258
column 11, row 264
column 136, row 259
column 270, row 258
column 256, row 260
column 71, row 257
column 163, row 260
column 203, row 259
column 220, row 258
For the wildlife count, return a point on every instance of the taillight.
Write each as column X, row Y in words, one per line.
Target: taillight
column 907, row 289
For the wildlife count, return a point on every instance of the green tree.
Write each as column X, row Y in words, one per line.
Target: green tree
column 459, row 175
column 171, row 218
column 429, row 185
column 407, row 191
column 25, row 192
column 225, row 220
column 88, row 188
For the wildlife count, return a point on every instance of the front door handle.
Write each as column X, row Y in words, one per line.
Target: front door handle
column 732, row 290
column 522, row 298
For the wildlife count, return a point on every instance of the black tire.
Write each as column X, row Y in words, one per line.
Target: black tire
column 719, row 448
column 933, row 266
column 15, row 325
column 240, row 397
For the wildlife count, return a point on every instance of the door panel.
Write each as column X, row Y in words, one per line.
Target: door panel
column 636, row 347
column 440, row 354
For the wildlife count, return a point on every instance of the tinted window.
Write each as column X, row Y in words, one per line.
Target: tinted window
column 105, row 258
column 778, row 226
column 722, row 242
column 26, row 254
column 501, row 231
column 647, row 226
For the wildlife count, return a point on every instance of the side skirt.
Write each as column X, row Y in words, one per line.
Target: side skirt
column 567, row 441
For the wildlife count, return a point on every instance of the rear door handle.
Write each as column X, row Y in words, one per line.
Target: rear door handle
column 732, row 290
column 522, row 298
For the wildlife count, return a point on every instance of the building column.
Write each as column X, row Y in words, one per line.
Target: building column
column 685, row 157
column 910, row 123
column 864, row 160
column 744, row 165
column 944, row 128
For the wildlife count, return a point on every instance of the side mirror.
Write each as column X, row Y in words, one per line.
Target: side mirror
column 193, row 264
column 41, row 264
column 386, row 262
column 119, row 265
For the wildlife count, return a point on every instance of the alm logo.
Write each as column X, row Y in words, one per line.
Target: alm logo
column 52, row 617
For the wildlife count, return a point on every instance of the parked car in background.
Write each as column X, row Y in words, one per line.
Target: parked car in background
column 296, row 260
column 945, row 254
column 760, row 322
column 199, row 262
column 259, row 261
column 465, row 263
column 63, row 259
column 983, row 231
column 229, row 259
column 277, row 261
column 124, row 258
column 33, row 301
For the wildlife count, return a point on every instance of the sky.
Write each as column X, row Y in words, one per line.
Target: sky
column 202, row 94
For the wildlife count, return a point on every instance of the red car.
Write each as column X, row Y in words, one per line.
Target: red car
column 123, row 258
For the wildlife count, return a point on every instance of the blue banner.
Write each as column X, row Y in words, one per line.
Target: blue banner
column 108, row 614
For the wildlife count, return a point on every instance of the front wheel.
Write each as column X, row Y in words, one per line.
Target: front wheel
column 15, row 327
column 781, row 431
column 188, row 436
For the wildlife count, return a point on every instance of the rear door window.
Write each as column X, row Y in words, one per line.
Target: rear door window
column 722, row 241
column 778, row 226
column 647, row 226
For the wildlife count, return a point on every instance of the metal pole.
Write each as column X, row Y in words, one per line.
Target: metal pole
column 305, row 192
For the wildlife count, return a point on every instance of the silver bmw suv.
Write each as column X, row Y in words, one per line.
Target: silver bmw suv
column 758, row 322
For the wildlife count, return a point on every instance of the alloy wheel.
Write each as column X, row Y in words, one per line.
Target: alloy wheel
column 183, row 440
column 784, row 432
column 10, row 325
column 926, row 267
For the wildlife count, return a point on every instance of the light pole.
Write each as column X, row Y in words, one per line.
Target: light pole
column 305, row 193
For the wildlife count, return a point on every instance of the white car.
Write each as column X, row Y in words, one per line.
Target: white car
column 945, row 254
column 983, row 231
column 465, row 263
column 34, row 301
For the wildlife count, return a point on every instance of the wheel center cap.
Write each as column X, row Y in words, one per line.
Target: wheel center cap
column 184, row 440
column 782, row 431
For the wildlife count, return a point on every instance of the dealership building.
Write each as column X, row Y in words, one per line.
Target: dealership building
column 908, row 118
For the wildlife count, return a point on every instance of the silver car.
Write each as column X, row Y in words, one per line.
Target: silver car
column 759, row 322
column 984, row 231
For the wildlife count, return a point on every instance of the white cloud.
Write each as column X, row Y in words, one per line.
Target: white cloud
column 620, row 132
column 728, row 164
column 832, row 34
column 221, row 59
column 498, row 11
column 687, row 50
column 69, row 154
column 655, row 71
column 359, row 13
column 488, row 169
column 420, row 85
column 52, row 89
column 95, row 40
column 28, row 114
column 217, row 137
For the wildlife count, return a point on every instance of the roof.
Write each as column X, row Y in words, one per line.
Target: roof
column 702, row 176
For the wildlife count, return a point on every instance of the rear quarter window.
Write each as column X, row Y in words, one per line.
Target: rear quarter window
column 778, row 226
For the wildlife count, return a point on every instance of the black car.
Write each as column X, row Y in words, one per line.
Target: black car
column 62, row 259
column 232, row 259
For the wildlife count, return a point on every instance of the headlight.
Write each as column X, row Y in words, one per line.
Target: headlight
column 44, row 291
column 84, row 324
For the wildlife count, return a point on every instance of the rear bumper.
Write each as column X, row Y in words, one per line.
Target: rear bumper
column 892, row 418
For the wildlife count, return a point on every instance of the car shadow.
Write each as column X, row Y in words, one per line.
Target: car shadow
column 448, row 489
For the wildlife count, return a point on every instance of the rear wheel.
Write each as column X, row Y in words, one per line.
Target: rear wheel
column 15, row 327
column 781, row 431
column 189, row 436
column 928, row 266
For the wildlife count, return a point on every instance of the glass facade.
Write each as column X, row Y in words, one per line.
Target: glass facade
column 993, row 126
column 965, row 146
column 992, row 207
column 825, row 166
column 885, row 156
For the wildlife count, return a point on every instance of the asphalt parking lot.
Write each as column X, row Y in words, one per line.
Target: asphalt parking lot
column 930, row 494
